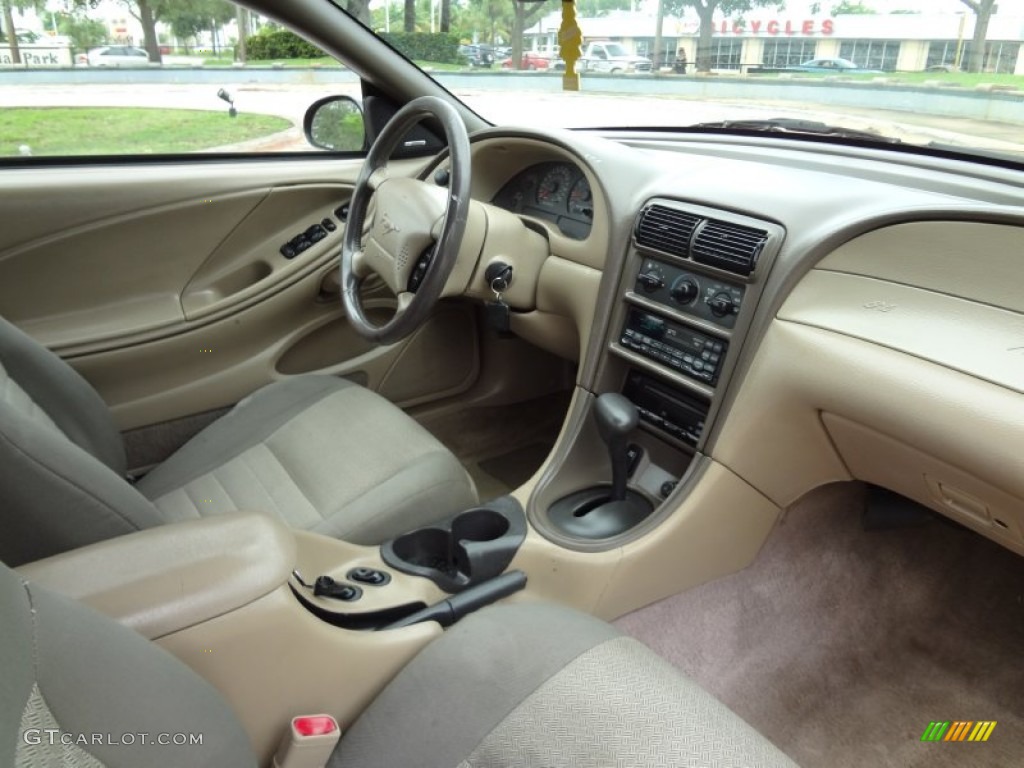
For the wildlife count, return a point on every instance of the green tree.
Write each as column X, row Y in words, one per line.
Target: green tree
column 7, row 7
column 242, row 22
column 410, row 16
column 982, row 15
column 188, row 18
column 852, row 8
column 593, row 8
column 359, row 9
column 486, row 21
column 85, row 33
column 524, row 17
column 148, row 13
column 705, row 12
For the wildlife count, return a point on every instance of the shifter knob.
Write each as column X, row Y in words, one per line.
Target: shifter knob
column 616, row 417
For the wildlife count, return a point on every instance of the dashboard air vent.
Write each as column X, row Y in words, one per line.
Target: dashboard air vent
column 729, row 246
column 666, row 229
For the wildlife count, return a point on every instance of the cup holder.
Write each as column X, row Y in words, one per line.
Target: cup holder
column 426, row 548
column 468, row 548
column 479, row 524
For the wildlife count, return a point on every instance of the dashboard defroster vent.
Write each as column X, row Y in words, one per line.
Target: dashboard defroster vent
column 728, row 246
column 666, row 229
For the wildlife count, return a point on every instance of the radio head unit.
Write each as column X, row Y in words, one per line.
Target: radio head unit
column 681, row 348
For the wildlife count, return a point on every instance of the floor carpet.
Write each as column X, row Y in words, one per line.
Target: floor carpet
column 841, row 644
column 502, row 446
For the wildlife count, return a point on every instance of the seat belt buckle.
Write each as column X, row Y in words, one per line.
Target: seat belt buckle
column 308, row 742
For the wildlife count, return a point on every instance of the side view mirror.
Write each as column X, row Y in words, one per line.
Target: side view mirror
column 335, row 123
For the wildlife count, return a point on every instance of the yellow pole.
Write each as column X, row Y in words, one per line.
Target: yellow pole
column 570, row 42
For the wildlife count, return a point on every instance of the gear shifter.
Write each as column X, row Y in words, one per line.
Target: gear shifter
column 616, row 417
column 600, row 512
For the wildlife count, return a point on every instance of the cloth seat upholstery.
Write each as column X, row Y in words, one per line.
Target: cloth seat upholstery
column 321, row 453
column 528, row 685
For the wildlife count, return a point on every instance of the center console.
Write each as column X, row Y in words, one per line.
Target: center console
column 437, row 573
column 685, row 299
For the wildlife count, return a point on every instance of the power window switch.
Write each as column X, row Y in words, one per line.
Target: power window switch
column 371, row 576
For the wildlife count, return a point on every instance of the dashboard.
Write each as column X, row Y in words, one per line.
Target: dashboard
column 842, row 315
column 557, row 192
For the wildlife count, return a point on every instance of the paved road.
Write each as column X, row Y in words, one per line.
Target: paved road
column 542, row 105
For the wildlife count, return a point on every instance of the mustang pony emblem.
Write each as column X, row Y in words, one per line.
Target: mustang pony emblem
column 387, row 226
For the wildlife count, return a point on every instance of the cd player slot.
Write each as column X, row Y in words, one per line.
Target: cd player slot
column 677, row 413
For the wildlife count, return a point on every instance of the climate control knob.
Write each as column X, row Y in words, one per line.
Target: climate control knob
column 651, row 279
column 684, row 290
column 722, row 304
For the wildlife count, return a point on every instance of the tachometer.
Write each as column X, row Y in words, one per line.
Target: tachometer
column 554, row 187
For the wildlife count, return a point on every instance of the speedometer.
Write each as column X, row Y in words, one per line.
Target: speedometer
column 554, row 187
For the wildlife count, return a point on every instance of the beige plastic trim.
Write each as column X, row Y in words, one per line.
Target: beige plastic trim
column 248, row 264
column 167, row 219
column 113, row 290
column 715, row 529
column 570, row 290
column 876, row 458
column 968, row 259
column 273, row 659
column 974, row 338
column 509, row 241
column 496, row 160
column 164, row 579
column 774, row 438
column 322, row 555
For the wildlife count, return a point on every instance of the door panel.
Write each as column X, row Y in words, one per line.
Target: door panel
column 117, row 275
column 248, row 263
column 165, row 286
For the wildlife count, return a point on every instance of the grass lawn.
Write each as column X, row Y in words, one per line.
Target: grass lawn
column 115, row 131
column 325, row 61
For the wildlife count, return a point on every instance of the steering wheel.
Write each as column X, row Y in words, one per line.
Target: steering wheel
column 412, row 217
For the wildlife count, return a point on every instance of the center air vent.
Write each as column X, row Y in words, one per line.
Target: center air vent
column 666, row 229
column 728, row 246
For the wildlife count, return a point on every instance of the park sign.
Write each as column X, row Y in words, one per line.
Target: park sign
column 36, row 56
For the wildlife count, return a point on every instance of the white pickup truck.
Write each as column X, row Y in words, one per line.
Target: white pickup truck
column 607, row 56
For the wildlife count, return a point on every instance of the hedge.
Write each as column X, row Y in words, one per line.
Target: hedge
column 426, row 46
column 280, row 44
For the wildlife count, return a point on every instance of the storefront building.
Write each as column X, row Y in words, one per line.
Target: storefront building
column 889, row 42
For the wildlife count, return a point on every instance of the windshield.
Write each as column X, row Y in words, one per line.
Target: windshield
column 927, row 72
column 103, row 77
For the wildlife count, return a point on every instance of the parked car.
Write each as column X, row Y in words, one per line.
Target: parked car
column 531, row 60
column 833, row 65
column 477, row 55
column 115, row 56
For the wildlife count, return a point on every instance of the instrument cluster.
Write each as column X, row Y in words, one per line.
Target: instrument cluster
column 555, row 192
